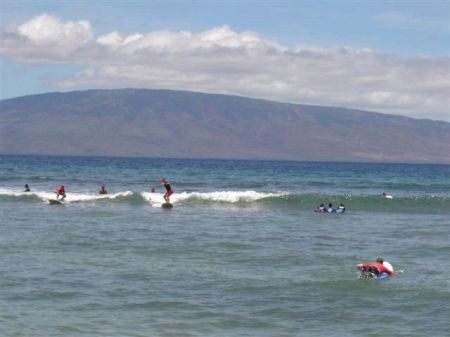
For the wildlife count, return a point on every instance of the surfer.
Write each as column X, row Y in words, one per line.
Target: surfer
column 386, row 196
column 27, row 188
column 169, row 190
column 103, row 190
column 60, row 191
column 378, row 267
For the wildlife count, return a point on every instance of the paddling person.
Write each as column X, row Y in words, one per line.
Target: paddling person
column 387, row 196
column 60, row 191
column 27, row 188
column 378, row 267
column 169, row 190
column 103, row 190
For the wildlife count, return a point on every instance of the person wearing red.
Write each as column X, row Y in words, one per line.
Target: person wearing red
column 169, row 190
column 376, row 267
column 59, row 190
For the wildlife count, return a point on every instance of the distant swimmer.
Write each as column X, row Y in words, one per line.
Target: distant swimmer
column 169, row 190
column 387, row 196
column 341, row 208
column 153, row 190
column 60, row 191
column 27, row 188
column 330, row 208
column 320, row 209
column 103, row 190
column 376, row 268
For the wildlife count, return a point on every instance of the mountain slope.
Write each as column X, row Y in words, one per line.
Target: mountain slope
column 163, row 123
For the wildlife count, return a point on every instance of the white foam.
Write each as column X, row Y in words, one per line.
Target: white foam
column 17, row 193
column 79, row 197
column 156, row 199
column 71, row 196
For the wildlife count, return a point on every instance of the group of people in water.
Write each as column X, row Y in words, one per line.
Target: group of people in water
column 330, row 209
column 341, row 209
column 61, row 192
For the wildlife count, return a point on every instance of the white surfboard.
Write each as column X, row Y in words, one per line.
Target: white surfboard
column 388, row 266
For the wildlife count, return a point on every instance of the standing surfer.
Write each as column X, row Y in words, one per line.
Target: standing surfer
column 169, row 190
column 60, row 191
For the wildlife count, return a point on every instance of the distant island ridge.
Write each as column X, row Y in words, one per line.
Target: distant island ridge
column 181, row 124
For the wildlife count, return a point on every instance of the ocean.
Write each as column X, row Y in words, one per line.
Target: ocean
column 241, row 253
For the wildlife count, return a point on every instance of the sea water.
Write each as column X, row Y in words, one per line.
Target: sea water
column 242, row 252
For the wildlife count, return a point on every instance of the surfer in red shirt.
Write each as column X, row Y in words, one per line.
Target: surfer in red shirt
column 169, row 190
column 59, row 190
column 376, row 267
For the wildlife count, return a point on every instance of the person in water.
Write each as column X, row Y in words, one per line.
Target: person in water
column 103, row 190
column 27, row 188
column 386, row 196
column 169, row 190
column 320, row 209
column 378, row 267
column 341, row 208
column 330, row 208
column 60, row 191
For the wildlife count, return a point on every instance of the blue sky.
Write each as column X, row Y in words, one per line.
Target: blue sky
column 387, row 56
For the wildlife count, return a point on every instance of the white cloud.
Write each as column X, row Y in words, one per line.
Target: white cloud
column 45, row 39
column 221, row 60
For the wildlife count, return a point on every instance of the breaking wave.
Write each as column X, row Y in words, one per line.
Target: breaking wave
column 307, row 201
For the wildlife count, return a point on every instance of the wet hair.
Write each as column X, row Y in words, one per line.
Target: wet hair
column 380, row 260
column 330, row 205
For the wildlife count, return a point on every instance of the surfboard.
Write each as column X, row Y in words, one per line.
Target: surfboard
column 54, row 202
column 388, row 266
column 368, row 275
column 167, row 205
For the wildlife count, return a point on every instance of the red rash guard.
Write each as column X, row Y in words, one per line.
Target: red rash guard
column 379, row 266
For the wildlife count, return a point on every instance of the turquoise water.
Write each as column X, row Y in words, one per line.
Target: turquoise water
column 242, row 253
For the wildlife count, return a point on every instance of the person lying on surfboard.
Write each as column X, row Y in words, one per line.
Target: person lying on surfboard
column 377, row 267
column 59, row 190
column 169, row 190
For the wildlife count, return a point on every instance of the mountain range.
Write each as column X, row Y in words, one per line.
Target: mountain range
column 180, row 124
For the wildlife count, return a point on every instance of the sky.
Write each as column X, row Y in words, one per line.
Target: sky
column 387, row 56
